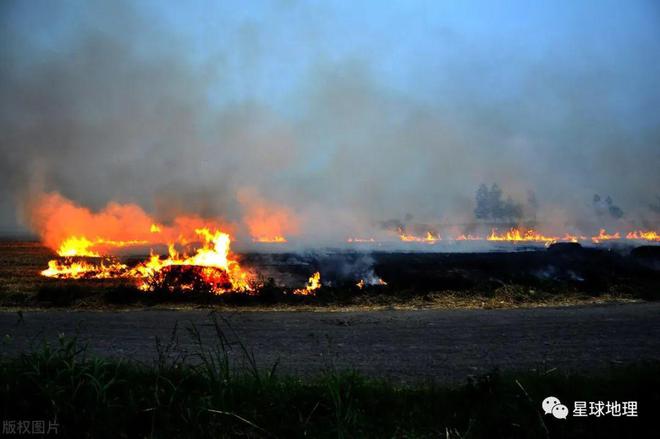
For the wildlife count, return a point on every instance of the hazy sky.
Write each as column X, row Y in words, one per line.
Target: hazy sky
column 345, row 112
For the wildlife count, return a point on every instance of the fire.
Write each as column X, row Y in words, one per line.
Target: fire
column 73, row 230
column 429, row 238
column 199, row 249
column 376, row 281
column 270, row 240
column 572, row 238
column 604, row 236
column 213, row 257
column 266, row 221
column 81, row 269
column 212, row 263
column 516, row 235
column 77, row 232
column 81, row 246
column 76, row 247
column 644, row 235
column 313, row 284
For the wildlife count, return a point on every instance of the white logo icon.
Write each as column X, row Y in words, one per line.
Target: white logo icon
column 549, row 403
column 554, row 406
column 560, row 411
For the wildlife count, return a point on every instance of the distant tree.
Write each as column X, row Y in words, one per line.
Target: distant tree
column 489, row 204
column 606, row 206
column 497, row 206
column 615, row 211
column 510, row 210
column 482, row 211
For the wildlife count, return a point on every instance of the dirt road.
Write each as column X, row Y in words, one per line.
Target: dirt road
column 405, row 345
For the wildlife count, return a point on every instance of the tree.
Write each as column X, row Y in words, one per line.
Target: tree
column 490, row 204
column 482, row 210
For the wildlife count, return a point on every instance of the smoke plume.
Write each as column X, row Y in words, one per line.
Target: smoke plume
column 108, row 103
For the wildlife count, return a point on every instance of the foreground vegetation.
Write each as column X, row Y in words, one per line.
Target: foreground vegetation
column 215, row 394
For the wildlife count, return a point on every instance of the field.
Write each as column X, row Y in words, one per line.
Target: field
column 537, row 277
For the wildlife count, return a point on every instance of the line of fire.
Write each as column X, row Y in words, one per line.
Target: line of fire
column 194, row 252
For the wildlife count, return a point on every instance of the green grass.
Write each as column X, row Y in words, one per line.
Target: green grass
column 212, row 395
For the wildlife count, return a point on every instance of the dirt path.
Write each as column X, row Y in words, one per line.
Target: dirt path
column 405, row 345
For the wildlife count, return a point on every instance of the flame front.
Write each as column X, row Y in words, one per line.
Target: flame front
column 86, row 241
column 313, row 284
column 277, row 239
column 81, row 246
column 604, row 236
column 266, row 221
column 519, row 234
column 374, row 280
column 430, row 238
column 214, row 259
column 213, row 255
column 644, row 235
column 73, row 269
column 515, row 235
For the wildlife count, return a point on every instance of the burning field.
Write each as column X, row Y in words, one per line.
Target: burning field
column 123, row 254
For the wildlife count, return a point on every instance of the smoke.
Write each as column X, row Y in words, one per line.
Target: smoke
column 606, row 207
column 115, row 105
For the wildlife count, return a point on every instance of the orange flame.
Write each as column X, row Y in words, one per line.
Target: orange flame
column 266, row 222
column 429, row 238
column 604, row 236
column 644, row 235
column 270, row 240
column 313, row 284
column 377, row 281
column 80, row 269
column 517, row 235
column 526, row 235
column 213, row 257
column 95, row 234
column 213, row 254
column 73, row 230
column 80, row 246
